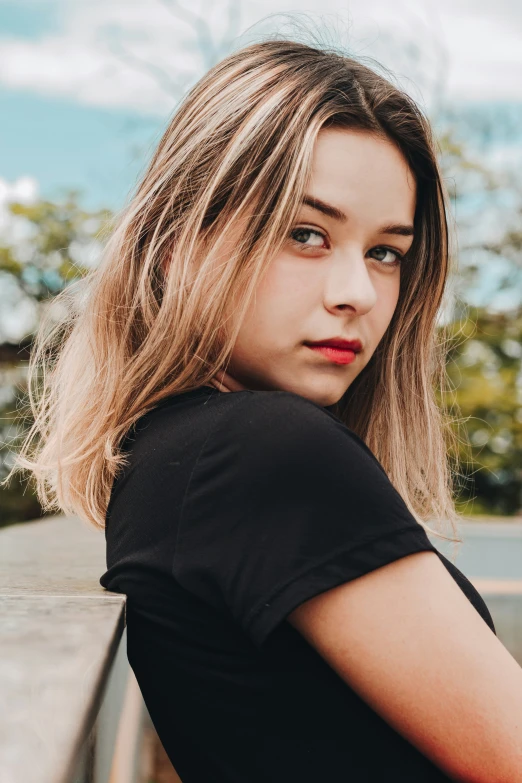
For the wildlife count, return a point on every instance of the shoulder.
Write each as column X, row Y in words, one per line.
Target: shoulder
column 288, row 426
column 278, row 405
column 280, row 445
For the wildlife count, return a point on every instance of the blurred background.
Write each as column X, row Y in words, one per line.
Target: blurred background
column 86, row 90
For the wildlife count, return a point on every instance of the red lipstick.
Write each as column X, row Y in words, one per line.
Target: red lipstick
column 337, row 349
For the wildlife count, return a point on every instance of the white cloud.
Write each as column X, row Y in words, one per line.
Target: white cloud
column 65, row 67
column 18, row 312
column 23, row 190
column 486, row 57
column 15, row 230
column 111, row 52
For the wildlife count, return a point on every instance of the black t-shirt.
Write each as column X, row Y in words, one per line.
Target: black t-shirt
column 235, row 508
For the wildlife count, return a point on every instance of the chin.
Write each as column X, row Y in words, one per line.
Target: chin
column 330, row 399
column 324, row 395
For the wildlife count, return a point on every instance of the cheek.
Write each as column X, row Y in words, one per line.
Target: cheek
column 283, row 293
column 388, row 296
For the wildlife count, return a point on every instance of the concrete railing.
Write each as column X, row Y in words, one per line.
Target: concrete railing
column 72, row 711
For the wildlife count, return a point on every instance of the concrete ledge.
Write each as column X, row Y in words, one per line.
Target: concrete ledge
column 59, row 635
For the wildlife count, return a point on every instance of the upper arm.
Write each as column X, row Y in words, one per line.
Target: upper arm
column 284, row 502
column 410, row 643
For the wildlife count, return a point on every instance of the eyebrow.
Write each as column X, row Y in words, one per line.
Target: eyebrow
column 337, row 214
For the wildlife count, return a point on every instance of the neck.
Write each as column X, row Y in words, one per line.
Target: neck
column 225, row 383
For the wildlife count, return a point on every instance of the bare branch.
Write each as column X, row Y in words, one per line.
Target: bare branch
column 206, row 44
column 210, row 50
column 162, row 78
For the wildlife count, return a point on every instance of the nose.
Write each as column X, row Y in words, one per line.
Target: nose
column 349, row 284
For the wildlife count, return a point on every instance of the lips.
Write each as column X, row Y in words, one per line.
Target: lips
column 339, row 343
column 337, row 350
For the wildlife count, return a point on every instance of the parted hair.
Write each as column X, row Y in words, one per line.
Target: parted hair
column 135, row 329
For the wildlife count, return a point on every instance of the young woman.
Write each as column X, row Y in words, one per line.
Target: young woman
column 243, row 395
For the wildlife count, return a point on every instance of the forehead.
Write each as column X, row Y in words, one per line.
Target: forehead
column 362, row 174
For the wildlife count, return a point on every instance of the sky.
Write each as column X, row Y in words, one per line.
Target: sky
column 86, row 86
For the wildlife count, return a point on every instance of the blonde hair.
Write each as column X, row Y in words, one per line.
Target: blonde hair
column 136, row 330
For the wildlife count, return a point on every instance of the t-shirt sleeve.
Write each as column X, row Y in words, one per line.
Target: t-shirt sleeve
column 284, row 503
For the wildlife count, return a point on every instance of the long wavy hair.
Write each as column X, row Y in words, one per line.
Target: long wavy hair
column 136, row 329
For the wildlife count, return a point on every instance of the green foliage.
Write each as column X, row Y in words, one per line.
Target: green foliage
column 8, row 262
column 61, row 242
column 18, row 501
column 477, row 194
column 485, row 369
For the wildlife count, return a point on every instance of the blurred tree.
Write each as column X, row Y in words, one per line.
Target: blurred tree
column 485, row 368
column 18, row 502
column 61, row 242
column 58, row 243
column 487, row 205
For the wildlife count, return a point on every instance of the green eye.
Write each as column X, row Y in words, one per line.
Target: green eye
column 302, row 230
column 398, row 256
column 305, row 233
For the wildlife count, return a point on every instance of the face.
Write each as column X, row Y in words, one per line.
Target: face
column 336, row 277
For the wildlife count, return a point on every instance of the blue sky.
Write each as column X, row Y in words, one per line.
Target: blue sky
column 65, row 145
column 86, row 86
column 29, row 20
column 82, row 105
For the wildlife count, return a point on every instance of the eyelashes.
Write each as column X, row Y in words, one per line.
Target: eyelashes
column 304, row 230
column 302, row 247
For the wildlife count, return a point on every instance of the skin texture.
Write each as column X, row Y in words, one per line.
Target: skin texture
column 408, row 641
column 342, row 284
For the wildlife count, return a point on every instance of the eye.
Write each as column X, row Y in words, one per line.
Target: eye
column 395, row 262
column 303, row 232
column 300, row 237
